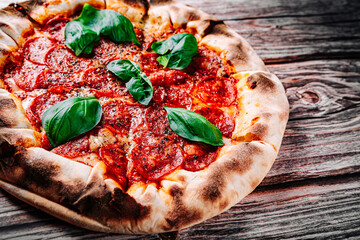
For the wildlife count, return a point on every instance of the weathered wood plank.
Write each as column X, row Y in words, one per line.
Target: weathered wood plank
column 284, row 31
column 289, row 39
column 244, row 9
column 322, row 209
column 323, row 133
column 318, row 208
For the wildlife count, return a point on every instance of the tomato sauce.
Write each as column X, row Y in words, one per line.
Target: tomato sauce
column 45, row 63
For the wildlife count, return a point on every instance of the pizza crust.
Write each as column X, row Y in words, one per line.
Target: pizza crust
column 85, row 196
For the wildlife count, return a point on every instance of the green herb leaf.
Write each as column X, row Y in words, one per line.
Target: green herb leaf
column 176, row 51
column 83, row 32
column 193, row 126
column 71, row 118
column 138, row 84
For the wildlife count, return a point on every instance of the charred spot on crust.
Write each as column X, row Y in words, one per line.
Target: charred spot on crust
column 221, row 29
column 7, row 152
column 127, row 206
column 259, row 131
column 240, row 167
column 6, row 105
column 40, row 174
column 212, row 191
column 260, row 80
column 180, row 216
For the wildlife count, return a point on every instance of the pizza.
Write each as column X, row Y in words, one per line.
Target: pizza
column 132, row 116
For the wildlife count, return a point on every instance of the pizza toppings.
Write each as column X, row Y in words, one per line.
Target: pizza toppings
column 193, row 126
column 83, row 32
column 39, row 105
column 60, row 59
column 114, row 158
column 72, row 149
column 71, row 118
column 155, row 160
column 198, row 156
column 216, row 90
column 120, row 123
column 35, row 49
column 146, row 128
column 219, row 118
column 177, row 51
column 56, row 28
column 136, row 81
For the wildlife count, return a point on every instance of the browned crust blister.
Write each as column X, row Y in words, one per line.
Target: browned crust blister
column 84, row 196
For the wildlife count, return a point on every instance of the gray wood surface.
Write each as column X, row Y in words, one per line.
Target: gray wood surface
column 313, row 189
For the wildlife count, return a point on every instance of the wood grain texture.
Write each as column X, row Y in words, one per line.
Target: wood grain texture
column 323, row 133
column 313, row 189
column 283, row 31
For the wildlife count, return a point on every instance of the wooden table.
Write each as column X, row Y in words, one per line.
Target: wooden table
column 313, row 189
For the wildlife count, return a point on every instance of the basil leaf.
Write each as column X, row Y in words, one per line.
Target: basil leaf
column 83, row 32
column 138, row 84
column 176, row 51
column 193, row 126
column 80, row 38
column 71, row 118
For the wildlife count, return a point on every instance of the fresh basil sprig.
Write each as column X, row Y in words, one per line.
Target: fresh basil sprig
column 138, row 84
column 193, row 126
column 71, row 118
column 176, row 51
column 83, row 32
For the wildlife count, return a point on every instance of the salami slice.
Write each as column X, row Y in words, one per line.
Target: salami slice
column 154, row 161
column 60, row 59
column 56, row 28
column 198, row 156
column 214, row 90
column 40, row 104
column 74, row 148
column 48, row 79
column 36, row 48
column 219, row 118
column 114, row 158
column 117, row 115
column 25, row 75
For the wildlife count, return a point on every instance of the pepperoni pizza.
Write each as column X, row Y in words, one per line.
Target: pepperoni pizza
column 154, row 127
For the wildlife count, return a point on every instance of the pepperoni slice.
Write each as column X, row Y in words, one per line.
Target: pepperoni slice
column 206, row 62
column 35, row 49
column 198, row 156
column 216, row 90
column 154, row 126
column 49, row 78
column 173, row 96
column 25, row 75
column 219, row 118
column 105, row 50
column 39, row 105
column 155, row 161
column 114, row 158
column 133, row 175
column 60, row 59
column 45, row 142
column 103, row 81
column 74, row 148
column 56, row 28
column 118, row 115
column 169, row 77
column 148, row 63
